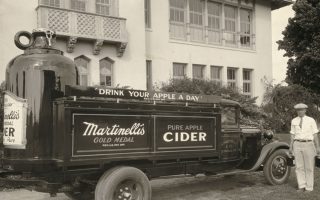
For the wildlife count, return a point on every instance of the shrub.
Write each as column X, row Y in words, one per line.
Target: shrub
column 279, row 103
column 251, row 114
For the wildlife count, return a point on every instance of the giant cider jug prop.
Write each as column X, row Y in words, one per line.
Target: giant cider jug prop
column 34, row 79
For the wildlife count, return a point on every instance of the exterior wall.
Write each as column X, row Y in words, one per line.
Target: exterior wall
column 151, row 44
column 128, row 70
column 163, row 51
column 15, row 15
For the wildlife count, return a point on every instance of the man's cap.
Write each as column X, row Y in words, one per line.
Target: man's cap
column 300, row 106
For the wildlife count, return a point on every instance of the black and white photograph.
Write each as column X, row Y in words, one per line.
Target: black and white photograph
column 159, row 99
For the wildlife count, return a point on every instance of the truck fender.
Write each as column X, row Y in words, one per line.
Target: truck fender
column 267, row 150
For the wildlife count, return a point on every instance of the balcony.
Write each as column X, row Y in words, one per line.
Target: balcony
column 77, row 25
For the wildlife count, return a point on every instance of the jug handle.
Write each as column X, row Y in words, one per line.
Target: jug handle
column 25, row 34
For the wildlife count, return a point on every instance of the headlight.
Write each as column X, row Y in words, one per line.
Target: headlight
column 268, row 134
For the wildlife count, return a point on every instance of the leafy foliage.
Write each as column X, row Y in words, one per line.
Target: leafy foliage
column 302, row 45
column 279, row 103
column 251, row 114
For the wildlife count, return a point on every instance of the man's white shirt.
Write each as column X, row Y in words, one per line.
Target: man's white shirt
column 308, row 129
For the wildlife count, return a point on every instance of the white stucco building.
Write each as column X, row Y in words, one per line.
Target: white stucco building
column 139, row 43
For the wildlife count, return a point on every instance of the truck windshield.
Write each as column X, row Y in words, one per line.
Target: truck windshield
column 229, row 115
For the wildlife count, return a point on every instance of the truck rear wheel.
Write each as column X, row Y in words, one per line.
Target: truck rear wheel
column 123, row 183
column 276, row 169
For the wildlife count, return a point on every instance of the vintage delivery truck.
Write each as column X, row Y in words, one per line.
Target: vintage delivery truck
column 108, row 143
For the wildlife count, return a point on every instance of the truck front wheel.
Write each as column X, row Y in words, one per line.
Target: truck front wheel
column 123, row 183
column 276, row 169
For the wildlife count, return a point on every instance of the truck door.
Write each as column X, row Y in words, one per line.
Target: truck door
column 230, row 133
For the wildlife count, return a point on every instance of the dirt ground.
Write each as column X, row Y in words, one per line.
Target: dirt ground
column 250, row 186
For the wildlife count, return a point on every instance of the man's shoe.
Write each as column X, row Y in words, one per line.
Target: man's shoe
column 300, row 190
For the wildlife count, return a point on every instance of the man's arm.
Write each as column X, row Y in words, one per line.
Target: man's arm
column 291, row 140
column 291, row 144
column 315, row 136
column 316, row 143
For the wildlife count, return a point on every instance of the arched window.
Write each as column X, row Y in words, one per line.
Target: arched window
column 106, row 74
column 82, row 63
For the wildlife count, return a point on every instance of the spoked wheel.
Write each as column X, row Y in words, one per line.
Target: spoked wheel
column 123, row 183
column 276, row 169
column 129, row 190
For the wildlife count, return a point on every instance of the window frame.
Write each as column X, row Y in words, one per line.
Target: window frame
column 54, row 4
column 81, row 73
column 219, row 79
column 100, row 4
column 247, row 82
column 78, row 7
column 246, row 37
column 175, row 24
column 220, row 29
column 111, row 62
column 236, row 113
column 202, row 68
column 233, row 83
column 184, row 69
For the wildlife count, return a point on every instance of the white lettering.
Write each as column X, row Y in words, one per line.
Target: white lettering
column 165, row 137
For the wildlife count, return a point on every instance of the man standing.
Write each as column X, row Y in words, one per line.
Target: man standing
column 305, row 146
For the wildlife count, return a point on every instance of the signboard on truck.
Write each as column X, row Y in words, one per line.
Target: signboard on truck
column 103, row 134
column 105, row 92
column 14, row 123
column 106, row 133
column 185, row 132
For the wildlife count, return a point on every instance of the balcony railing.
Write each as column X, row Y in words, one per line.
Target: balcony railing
column 206, row 35
column 77, row 25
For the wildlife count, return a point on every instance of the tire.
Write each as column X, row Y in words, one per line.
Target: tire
column 276, row 169
column 125, row 183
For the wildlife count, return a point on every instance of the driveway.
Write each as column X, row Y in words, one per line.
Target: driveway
column 251, row 186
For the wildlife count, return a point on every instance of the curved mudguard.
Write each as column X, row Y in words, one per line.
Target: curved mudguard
column 267, row 150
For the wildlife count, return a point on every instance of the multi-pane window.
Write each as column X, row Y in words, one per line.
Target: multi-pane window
column 226, row 22
column 215, row 74
column 198, row 71
column 106, row 72
column 232, row 77
column 53, row 3
column 178, row 19
column 103, row 7
column 247, row 82
column 230, row 20
column 196, row 8
column 214, row 22
column 78, row 5
column 177, row 11
column 149, row 74
column 82, row 64
column 245, row 27
column 179, row 70
column 196, row 14
column 147, row 13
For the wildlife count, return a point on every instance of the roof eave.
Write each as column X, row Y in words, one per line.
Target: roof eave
column 276, row 4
